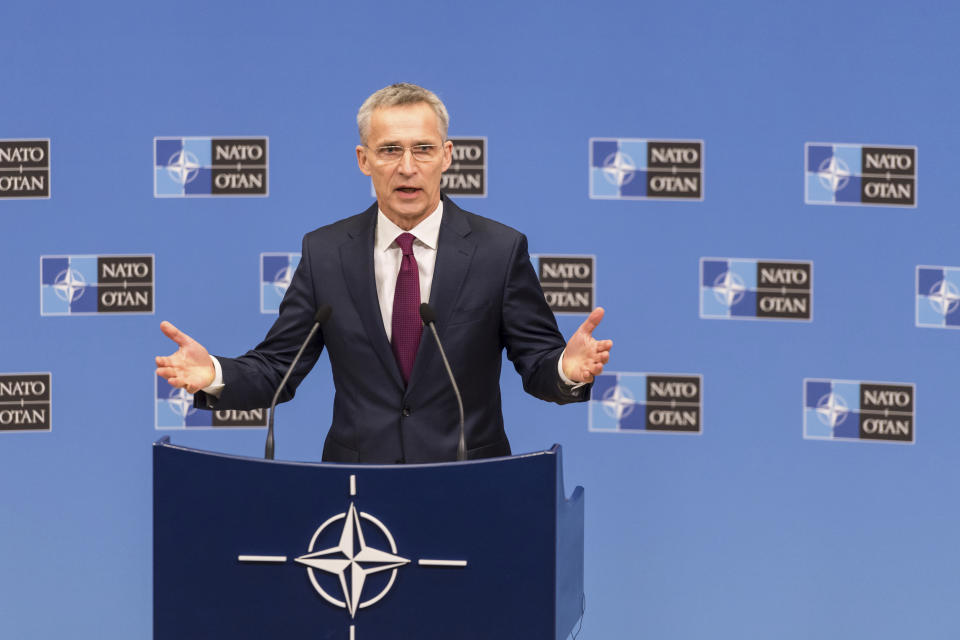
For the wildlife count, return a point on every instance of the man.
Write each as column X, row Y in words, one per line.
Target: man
column 393, row 402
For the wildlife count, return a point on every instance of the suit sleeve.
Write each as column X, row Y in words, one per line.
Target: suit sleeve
column 529, row 332
column 251, row 379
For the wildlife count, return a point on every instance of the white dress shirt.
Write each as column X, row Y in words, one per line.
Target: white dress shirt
column 387, row 257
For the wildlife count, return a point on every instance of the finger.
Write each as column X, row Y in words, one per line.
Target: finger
column 592, row 321
column 604, row 345
column 175, row 334
column 168, row 373
column 165, row 361
column 181, row 383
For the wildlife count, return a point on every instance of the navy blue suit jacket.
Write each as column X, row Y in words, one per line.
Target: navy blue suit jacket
column 486, row 297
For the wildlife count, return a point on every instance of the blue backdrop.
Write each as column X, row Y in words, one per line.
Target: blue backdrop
column 748, row 530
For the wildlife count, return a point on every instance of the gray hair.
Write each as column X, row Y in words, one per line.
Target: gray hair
column 401, row 93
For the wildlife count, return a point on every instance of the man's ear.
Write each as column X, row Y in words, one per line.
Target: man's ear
column 362, row 160
column 447, row 154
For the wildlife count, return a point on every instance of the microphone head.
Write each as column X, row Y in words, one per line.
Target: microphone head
column 427, row 314
column 323, row 313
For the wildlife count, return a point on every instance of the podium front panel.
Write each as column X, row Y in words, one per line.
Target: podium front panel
column 247, row 548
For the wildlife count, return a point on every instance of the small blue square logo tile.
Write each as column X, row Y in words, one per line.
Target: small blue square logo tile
column 938, row 297
column 276, row 272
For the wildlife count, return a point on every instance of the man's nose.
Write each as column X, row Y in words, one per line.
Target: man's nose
column 407, row 164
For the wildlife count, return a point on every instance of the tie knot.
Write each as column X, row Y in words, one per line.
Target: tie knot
column 405, row 240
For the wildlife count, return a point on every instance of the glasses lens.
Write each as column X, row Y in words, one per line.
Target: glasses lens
column 424, row 151
column 421, row 152
column 390, row 153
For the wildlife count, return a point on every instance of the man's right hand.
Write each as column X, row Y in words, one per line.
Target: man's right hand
column 190, row 367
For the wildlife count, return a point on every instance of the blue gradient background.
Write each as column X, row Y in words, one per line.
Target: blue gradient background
column 747, row 531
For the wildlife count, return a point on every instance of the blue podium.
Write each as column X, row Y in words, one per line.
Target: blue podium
column 250, row 548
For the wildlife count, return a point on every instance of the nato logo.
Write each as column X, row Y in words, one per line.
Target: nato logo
column 87, row 285
column 343, row 560
column 25, row 402
column 174, row 410
column 856, row 410
column 642, row 402
column 639, row 169
column 25, row 168
column 569, row 282
column 750, row 289
column 856, row 174
column 276, row 272
column 938, row 297
column 204, row 167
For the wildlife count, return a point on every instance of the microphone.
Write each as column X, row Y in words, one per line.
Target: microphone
column 321, row 316
column 429, row 319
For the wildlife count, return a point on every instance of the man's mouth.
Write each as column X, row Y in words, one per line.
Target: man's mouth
column 408, row 189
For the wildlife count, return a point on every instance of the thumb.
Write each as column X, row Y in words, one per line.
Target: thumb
column 174, row 334
column 592, row 321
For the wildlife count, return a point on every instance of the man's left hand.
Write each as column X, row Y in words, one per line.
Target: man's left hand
column 585, row 355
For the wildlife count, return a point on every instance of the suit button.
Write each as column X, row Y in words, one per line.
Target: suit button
column 406, row 412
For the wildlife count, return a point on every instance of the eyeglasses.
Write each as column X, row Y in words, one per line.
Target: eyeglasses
column 394, row 153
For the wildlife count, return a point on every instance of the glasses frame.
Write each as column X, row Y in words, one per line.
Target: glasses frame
column 433, row 158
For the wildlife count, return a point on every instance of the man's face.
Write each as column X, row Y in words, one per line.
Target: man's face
column 408, row 188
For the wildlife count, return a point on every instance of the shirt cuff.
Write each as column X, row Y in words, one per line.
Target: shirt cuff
column 215, row 388
column 573, row 386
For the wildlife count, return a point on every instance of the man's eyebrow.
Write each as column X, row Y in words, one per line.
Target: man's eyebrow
column 417, row 143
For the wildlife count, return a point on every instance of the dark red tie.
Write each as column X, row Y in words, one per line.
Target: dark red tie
column 406, row 325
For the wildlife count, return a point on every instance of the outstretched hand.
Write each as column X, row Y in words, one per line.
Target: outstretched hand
column 190, row 367
column 585, row 355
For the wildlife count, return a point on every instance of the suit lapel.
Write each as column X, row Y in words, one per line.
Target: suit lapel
column 454, row 253
column 356, row 259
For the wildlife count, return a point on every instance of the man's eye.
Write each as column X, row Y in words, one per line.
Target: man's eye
column 390, row 150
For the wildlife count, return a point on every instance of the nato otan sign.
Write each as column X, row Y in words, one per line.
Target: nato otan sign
column 25, row 168
column 194, row 167
column 629, row 402
column 861, row 411
column 860, row 174
column 569, row 282
column 96, row 284
column 25, row 402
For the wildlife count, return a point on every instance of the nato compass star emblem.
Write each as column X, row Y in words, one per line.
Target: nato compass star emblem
column 834, row 173
column 183, row 166
column 832, row 410
column 944, row 297
column 619, row 168
column 352, row 560
column 352, row 557
column 181, row 401
column 728, row 288
column 281, row 281
column 618, row 402
column 69, row 285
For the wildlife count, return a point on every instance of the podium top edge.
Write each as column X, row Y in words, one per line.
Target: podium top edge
column 165, row 443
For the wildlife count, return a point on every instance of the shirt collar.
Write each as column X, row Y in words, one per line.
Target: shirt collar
column 427, row 232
